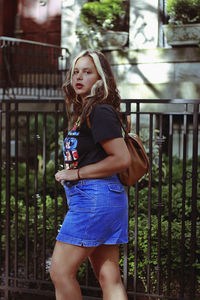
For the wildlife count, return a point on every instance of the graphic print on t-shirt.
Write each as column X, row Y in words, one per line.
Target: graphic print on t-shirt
column 70, row 148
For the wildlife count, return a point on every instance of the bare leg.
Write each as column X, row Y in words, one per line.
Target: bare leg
column 105, row 262
column 65, row 262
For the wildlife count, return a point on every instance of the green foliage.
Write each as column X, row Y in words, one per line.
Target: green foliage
column 33, row 205
column 50, row 133
column 183, row 11
column 105, row 14
column 36, row 201
column 171, row 226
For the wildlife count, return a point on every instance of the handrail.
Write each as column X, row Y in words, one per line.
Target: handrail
column 11, row 39
column 132, row 100
column 167, row 101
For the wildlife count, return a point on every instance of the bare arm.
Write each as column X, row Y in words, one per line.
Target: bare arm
column 118, row 158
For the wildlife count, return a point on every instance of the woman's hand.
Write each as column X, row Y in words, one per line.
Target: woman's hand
column 67, row 175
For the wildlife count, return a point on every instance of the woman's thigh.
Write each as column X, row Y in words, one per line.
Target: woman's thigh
column 67, row 258
column 105, row 261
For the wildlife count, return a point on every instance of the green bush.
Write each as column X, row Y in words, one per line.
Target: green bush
column 34, row 206
column 36, row 199
column 183, row 11
column 105, row 14
column 176, row 228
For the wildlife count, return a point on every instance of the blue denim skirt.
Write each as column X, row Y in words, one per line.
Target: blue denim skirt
column 98, row 213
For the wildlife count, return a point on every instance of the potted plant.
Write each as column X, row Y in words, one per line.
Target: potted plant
column 184, row 22
column 104, row 24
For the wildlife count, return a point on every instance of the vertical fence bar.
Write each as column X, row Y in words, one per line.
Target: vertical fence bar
column 16, row 191
column 149, row 205
column 26, row 70
column 29, row 60
column 44, row 196
column 52, row 74
column 136, row 210
column 40, row 62
column 35, row 196
column 58, row 74
column 65, row 126
column 27, row 195
column 7, row 225
column 184, row 178
column 4, row 67
column 193, row 246
column 136, row 240
column 1, row 170
column 20, row 63
column 160, row 141
column 56, row 169
column 35, row 70
column 43, row 74
column 125, row 247
column 170, row 147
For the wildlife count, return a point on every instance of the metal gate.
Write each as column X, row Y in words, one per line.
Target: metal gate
column 162, row 258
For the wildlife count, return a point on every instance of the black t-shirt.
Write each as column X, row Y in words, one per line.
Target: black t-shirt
column 82, row 145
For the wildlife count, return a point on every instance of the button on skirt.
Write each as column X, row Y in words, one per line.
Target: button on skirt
column 98, row 213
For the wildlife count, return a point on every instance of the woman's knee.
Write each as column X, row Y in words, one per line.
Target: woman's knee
column 109, row 275
column 61, row 275
column 66, row 261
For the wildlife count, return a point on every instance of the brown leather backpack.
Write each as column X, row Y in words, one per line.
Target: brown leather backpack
column 139, row 160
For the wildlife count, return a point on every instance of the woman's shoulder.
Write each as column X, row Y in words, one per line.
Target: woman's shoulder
column 104, row 109
column 104, row 113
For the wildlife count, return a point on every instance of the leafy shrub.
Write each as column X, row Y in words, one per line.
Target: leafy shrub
column 169, row 225
column 183, row 11
column 105, row 14
column 32, row 207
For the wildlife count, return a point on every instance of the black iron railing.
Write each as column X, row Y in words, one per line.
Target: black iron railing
column 29, row 68
column 161, row 259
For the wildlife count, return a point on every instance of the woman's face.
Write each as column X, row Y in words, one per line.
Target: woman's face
column 84, row 76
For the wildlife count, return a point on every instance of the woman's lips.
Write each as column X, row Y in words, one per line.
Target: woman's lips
column 79, row 86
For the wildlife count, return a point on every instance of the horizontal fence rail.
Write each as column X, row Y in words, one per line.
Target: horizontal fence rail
column 30, row 68
column 162, row 258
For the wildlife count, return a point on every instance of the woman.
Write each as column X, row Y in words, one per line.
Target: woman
column 94, row 152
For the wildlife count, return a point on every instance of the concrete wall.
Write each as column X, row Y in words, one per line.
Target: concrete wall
column 70, row 22
column 157, row 73
column 144, row 24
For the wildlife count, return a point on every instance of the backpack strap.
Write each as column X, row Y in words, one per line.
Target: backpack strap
column 88, row 122
column 126, row 129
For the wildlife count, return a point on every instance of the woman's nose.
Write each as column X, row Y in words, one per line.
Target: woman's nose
column 80, row 75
